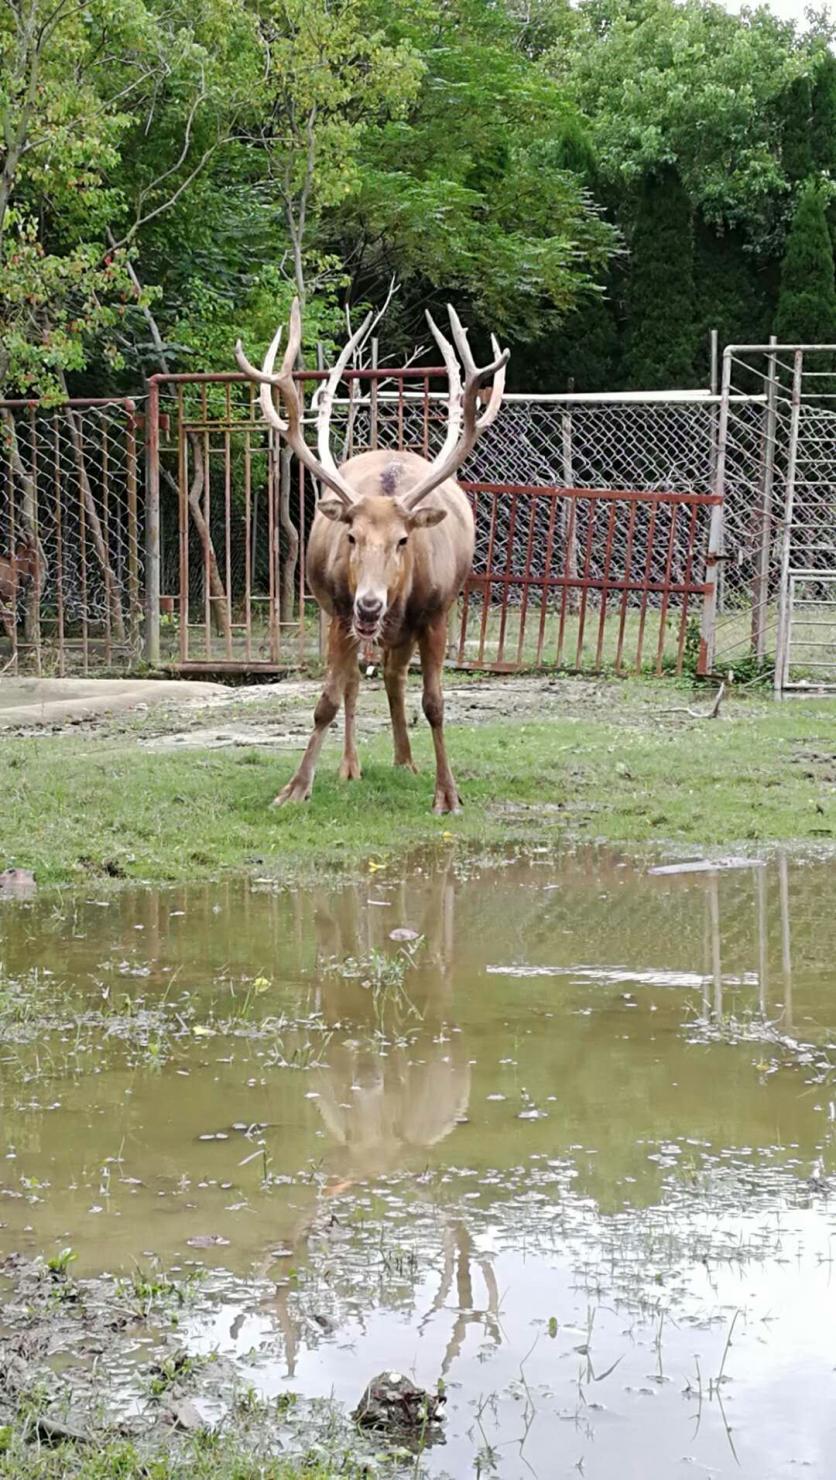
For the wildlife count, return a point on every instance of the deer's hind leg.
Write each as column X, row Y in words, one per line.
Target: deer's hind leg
column 432, row 647
column 342, row 671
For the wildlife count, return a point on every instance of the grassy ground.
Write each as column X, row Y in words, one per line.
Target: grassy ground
column 206, row 1459
column 615, row 761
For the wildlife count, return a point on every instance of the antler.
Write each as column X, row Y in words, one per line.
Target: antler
column 461, row 439
column 463, row 428
column 324, row 466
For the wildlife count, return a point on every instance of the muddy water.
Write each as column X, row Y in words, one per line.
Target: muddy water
column 556, row 1151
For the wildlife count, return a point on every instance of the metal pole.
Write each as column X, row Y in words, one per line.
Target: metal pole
column 152, row 527
column 373, row 392
column 781, row 643
column 708, row 632
column 714, row 376
column 713, row 383
column 760, row 585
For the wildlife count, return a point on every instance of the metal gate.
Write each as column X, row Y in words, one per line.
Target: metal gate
column 592, row 517
column 772, row 556
column 71, row 536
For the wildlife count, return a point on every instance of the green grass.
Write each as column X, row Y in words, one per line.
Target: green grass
column 203, row 1458
column 614, row 765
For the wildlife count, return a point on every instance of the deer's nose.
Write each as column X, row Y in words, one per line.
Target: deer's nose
column 369, row 607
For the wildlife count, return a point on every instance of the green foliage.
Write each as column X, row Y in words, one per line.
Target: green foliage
column 660, row 324
column 807, row 303
column 796, row 138
column 171, row 174
column 823, row 122
column 689, row 85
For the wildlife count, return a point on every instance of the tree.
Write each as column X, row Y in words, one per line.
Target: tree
column 807, row 302
column 732, row 292
column 691, row 85
column 823, row 122
column 660, row 345
column 796, row 138
column 470, row 195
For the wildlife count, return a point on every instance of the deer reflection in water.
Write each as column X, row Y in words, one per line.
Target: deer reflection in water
column 396, row 1084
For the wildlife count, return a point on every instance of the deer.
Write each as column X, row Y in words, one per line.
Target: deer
column 389, row 553
column 18, row 571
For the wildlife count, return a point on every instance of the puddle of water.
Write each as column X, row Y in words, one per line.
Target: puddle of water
column 553, row 1152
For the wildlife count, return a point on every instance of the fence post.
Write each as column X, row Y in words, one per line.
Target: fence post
column 568, row 525
column 781, row 652
column 708, row 630
column 760, row 584
column 152, row 527
column 373, row 393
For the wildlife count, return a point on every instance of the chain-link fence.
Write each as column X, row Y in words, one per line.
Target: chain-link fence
column 623, row 531
column 71, row 536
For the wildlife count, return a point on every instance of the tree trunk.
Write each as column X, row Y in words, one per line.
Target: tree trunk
column 218, row 606
column 112, row 593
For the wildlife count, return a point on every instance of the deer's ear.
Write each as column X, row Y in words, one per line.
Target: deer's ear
column 331, row 508
column 426, row 518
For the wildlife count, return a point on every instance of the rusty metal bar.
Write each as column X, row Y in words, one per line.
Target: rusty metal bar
column 273, row 495
column 59, row 545
column 628, row 566
column 544, row 595
column 606, row 587
column 486, row 594
column 133, row 524
column 248, row 550
column 152, row 528
column 663, row 606
column 182, row 475
column 646, row 587
column 82, row 520
column 228, row 530
column 689, row 561
column 105, row 521
column 569, row 579
column 584, row 582
column 503, row 613
column 526, row 582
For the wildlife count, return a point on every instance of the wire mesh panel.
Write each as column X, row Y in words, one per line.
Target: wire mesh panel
column 777, row 475
column 810, row 650
column 71, row 536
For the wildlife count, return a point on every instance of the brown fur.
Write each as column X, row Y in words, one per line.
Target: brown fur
column 18, row 571
column 422, row 566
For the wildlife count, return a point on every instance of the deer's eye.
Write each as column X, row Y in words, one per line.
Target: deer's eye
column 351, row 540
column 402, row 542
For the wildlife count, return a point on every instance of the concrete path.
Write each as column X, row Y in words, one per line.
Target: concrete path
column 25, row 702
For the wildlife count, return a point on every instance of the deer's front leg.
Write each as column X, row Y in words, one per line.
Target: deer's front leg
column 432, row 646
column 395, row 668
column 342, row 664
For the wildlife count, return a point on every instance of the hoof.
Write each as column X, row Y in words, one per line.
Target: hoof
column 446, row 805
column 407, row 766
column 350, row 771
column 295, row 791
